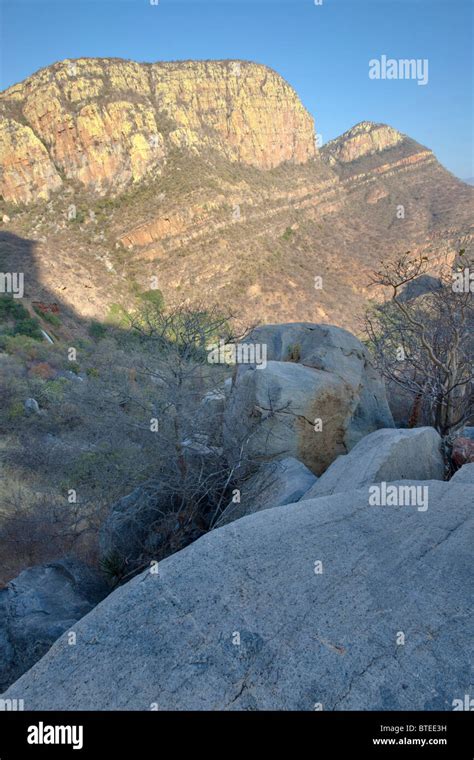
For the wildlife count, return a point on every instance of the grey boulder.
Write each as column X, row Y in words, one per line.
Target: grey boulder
column 328, row 602
column 127, row 530
column 31, row 406
column 38, row 606
column 465, row 474
column 384, row 455
column 283, row 481
column 314, row 398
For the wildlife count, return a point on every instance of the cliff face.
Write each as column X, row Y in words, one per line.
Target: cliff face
column 107, row 123
column 206, row 176
column 364, row 139
column 370, row 150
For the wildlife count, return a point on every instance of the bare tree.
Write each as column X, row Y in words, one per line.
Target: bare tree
column 424, row 343
column 192, row 479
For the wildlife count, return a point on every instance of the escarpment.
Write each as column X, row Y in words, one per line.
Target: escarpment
column 106, row 123
column 206, row 175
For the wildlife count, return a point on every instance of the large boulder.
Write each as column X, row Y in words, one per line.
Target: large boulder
column 162, row 515
column 38, row 606
column 420, row 286
column 312, row 373
column 31, row 406
column 464, row 475
column 127, row 532
column 385, row 455
column 283, row 481
column 327, row 602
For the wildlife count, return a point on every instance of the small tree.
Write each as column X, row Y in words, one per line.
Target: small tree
column 424, row 343
column 175, row 344
column 192, row 480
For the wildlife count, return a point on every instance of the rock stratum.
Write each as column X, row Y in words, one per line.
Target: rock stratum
column 206, row 176
column 106, row 123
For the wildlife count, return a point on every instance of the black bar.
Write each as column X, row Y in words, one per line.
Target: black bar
column 114, row 734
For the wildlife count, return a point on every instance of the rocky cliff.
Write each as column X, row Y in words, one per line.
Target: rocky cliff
column 205, row 175
column 368, row 151
column 105, row 123
column 364, row 139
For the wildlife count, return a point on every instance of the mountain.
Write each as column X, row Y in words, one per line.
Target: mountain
column 206, row 176
column 106, row 123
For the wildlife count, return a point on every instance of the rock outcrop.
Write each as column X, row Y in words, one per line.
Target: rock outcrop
column 38, row 606
column 127, row 531
column 465, row 474
column 365, row 139
column 329, row 602
column 207, row 172
column 283, row 481
column 384, row 455
column 377, row 147
column 107, row 122
column 317, row 396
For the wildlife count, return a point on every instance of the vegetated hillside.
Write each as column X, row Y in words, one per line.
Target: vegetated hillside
column 205, row 176
column 200, row 182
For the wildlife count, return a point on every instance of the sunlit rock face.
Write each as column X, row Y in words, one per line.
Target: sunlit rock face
column 107, row 123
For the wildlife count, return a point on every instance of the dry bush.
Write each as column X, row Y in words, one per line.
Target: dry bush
column 38, row 528
column 425, row 345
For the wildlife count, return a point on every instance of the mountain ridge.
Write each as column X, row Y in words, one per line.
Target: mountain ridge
column 196, row 214
column 107, row 123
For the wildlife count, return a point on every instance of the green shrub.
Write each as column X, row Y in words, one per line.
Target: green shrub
column 97, row 330
column 80, row 217
column 117, row 316
column 11, row 308
column 153, row 297
column 113, row 566
column 54, row 390
column 73, row 367
column 23, row 324
column 293, row 353
column 29, row 327
column 20, row 345
column 16, row 411
column 287, row 233
column 53, row 319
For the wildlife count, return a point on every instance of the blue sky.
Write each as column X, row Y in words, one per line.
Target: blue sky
column 322, row 50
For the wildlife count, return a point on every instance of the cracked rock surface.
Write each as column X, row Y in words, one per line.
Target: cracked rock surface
column 244, row 619
column 387, row 454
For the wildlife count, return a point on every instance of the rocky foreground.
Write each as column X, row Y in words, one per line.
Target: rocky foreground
column 327, row 603
column 338, row 580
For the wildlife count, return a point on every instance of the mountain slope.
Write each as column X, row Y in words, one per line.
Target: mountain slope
column 205, row 175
